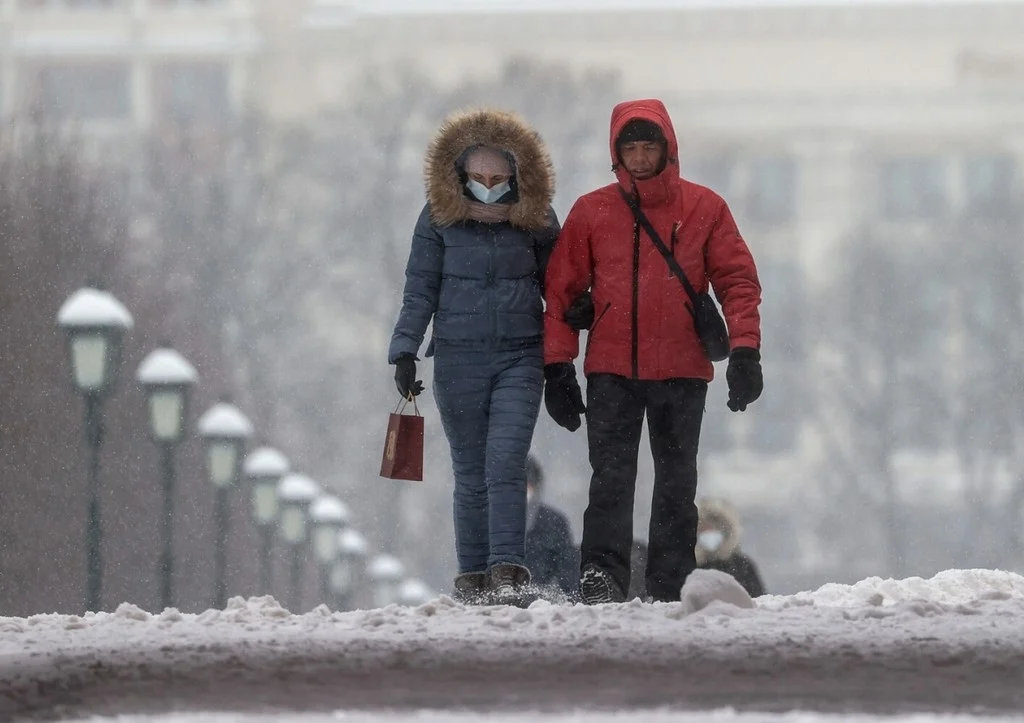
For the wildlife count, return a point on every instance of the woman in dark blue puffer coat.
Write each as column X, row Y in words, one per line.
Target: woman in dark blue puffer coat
column 476, row 269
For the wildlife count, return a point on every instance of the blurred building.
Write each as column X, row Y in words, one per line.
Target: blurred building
column 119, row 65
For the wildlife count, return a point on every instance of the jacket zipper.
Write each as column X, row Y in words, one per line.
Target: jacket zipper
column 593, row 327
column 636, row 299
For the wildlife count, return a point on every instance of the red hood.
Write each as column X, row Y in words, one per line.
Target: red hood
column 663, row 185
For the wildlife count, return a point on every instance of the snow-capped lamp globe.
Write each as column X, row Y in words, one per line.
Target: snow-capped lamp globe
column 296, row 494
column 263, row 470
column 414, row 592
column 386, row 573
column 224, row 431
column 328, row 516
column 95, row 323
column 348, row 567
column 167, row 377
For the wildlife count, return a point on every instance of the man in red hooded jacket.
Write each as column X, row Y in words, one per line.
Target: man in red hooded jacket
column 643, row 354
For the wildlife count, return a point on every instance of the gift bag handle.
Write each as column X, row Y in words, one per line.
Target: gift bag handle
column 400, row 408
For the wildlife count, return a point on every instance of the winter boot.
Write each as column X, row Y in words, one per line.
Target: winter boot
column 472, row 588
column 510, row 585
column 598, row 587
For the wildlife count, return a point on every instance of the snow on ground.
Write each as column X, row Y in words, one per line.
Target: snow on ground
column 951, row 644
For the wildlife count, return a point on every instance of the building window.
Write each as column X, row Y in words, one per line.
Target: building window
column 914, row 188
column 989, row 182
column 771, row 190
column 80, row 90
column 191, row 91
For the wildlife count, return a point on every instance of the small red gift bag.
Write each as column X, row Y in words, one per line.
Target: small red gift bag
column 403, row 445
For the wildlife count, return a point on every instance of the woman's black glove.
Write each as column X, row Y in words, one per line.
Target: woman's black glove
column 580, row 314
column 405, row 376
column 562, row 395
column 744, row 377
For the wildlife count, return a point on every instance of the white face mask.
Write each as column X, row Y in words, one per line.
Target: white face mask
column 485, row 194
column 711, row 540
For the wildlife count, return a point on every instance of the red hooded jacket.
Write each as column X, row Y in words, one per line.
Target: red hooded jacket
column 642, row 327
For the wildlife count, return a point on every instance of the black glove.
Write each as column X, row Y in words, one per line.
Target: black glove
column 562, row 395
column 580, row 314
column 744, row 377
column 405, row 376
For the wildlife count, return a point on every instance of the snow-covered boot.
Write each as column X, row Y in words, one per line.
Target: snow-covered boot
column 598, row 587
column 510, row 585
column 472, row 588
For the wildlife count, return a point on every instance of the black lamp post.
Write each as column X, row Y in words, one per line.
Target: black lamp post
column 348, row 567
column 95, row 323
column 296, row 494
column 225, row 431
column 167, row 378
column 264, row 469
column 328, row 516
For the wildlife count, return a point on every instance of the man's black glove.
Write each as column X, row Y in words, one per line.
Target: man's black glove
column 405, row 376
column 562, row 395
column 744, row 377
column 580, row 314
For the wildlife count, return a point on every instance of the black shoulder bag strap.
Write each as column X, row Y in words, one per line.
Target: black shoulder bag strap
column 707, row 321
column 673, row 265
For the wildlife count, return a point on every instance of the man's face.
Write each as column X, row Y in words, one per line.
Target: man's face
column 641, row 158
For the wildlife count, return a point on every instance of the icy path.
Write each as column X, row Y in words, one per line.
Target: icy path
column 951, row 644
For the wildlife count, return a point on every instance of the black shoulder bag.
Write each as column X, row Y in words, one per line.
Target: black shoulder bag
column 710, row 326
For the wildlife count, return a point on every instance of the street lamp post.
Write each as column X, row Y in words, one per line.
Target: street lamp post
column 386, row 572
column 224, row 430
column 329, row 516
column 95, row 323
column 296, row 493
column 264, row 469
column 352, row 549
column 167, row 377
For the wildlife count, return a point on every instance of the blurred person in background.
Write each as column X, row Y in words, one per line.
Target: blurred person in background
column 643, row 354
column 551, row 554
column 476, row 268
column 718, row 545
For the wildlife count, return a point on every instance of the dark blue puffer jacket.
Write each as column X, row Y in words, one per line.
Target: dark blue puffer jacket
column 481, row 283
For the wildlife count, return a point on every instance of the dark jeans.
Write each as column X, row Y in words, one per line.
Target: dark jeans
column 489, row 401
column 615, row 415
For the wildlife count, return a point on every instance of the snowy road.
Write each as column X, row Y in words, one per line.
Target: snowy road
column 951, row 644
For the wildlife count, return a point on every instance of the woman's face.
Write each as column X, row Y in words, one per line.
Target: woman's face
column 490, row 180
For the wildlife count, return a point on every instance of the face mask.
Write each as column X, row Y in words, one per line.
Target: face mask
column 485, row 194
column 711, row 540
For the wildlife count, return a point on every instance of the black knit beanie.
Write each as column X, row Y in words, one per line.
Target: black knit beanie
column 640, row 129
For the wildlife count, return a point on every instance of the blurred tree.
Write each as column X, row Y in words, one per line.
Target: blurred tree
column 65, row 222
column 877, row 367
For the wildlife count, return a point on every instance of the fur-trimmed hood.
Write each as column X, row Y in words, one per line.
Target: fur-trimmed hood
column 534, row 172
column 721, row 515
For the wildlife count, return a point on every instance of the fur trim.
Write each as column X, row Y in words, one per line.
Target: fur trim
column 535, row 173
column 722, row 515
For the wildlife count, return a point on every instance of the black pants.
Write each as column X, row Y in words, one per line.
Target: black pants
column 615, row 415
